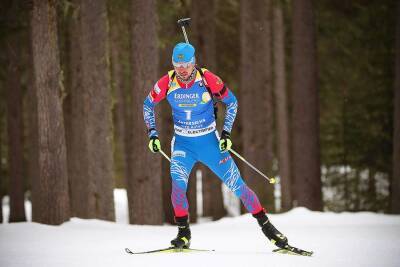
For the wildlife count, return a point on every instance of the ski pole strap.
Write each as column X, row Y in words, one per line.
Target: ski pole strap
column 270, row 180
column 151, row 131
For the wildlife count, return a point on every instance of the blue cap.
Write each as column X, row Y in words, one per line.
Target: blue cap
column 183, row 52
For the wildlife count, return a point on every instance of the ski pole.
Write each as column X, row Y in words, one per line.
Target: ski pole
column 165, row 155
column 270, row 180
column 184, row 22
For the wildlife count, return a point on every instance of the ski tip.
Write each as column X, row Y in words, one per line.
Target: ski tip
column 294, row 251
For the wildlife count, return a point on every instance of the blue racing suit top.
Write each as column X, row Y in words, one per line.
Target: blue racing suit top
column 192, row 104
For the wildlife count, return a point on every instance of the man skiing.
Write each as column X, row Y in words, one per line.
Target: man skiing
column 190, row 91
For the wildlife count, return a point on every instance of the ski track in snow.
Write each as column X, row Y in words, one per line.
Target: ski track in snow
column 337, row 239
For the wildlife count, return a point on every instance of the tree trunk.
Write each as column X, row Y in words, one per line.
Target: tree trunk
column 32, row 138
column 345, row 126
column 90, row 124
column 166, row 193
column 1, row 163
column 119, row 25
column 207, row 179
column 305, row 108
column 203, row 38
column 74, row 121
column 203, row 33
column 166, row 133
column 395, row 186
column 97, row 100
column 15, row 142
column 144, row 181
column 282, row 119
column 192, row 194
column 256, row 84
column 14, row 117
column 52, row 203
column 213, row 206
column 168, row 28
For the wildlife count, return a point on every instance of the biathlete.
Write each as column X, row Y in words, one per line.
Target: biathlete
column 190, row 92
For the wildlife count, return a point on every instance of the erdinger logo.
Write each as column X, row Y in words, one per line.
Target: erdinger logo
column 224, row 160
column 181, row 56
column 186, row 96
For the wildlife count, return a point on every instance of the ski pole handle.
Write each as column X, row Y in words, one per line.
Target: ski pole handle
column 184, row 22
column 165, row 155
column 270, row 180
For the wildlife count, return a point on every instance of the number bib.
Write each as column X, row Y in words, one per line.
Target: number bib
column 192, row 109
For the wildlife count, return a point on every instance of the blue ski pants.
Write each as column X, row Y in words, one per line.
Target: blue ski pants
column 186, row 151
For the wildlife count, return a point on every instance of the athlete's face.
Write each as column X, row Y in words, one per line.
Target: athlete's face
column 184, row 71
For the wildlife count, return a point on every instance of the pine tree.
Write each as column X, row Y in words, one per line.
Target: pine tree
column 74, row 116
column 282, row 119
column 168, row 34
column 256, row 85
column 120, row 70
column 1, row 164
column 90, row 123
column 305, row 108
column 50, row 190
column 395, row 186
column 14, row 115
column 204, row 39
column 144, row 180
column 97, row 102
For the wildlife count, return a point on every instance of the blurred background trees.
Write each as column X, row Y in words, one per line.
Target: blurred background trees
column 305, row 108
column 395, row 183
column 317, row 84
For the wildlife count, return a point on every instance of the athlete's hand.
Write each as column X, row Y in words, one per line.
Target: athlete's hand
column 225, row 143
column 154, row 144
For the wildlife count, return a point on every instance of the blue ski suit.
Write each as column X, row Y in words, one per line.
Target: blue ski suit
column 195, row 136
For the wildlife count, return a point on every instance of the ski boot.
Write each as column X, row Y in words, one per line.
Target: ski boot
column 182, row 240
column 276, row 237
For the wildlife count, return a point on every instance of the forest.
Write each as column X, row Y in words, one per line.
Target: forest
column 317, row 82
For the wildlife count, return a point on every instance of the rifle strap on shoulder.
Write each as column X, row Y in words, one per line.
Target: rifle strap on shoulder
column 218, row 94
column 209, row 91
column 171, row 79
column 205, row 82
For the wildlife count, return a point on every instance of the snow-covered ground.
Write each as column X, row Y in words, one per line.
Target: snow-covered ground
column 345, row 239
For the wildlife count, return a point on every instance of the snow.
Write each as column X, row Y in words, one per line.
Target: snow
column 337, row 239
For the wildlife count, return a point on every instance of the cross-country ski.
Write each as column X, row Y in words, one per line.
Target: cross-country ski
column 168, row 250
